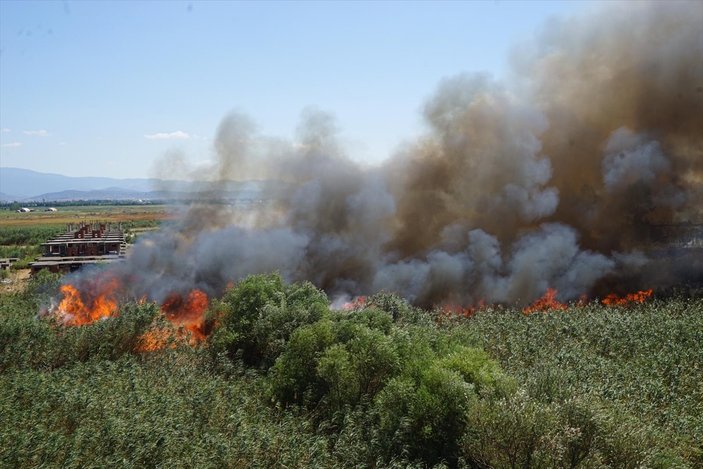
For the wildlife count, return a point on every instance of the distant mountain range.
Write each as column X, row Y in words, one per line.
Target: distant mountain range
column 23, row 185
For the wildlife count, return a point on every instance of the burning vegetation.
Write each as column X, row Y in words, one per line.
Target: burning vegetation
column 498, row 387
column 533, row 194
column 96, row 300
column 520, row 199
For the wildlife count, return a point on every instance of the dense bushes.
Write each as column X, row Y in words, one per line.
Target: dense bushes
column 416, row 383
column 257, row 317
column 168, row 410
column 424, row 416
column 28, row 341
column 283, row 379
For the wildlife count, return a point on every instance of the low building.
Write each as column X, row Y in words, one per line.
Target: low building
column 6, row 262
column 83, row 244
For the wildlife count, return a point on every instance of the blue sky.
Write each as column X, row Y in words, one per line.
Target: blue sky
column 107, row 89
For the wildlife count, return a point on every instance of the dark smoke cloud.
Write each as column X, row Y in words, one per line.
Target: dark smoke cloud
column 557, row 180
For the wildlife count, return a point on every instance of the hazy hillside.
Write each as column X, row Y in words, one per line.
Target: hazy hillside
column 32, row 186
column 26, row 183
column 6, row 197
column 111, row 193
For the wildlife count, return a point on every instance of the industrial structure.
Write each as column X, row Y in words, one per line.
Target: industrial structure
column 6, row 262
column 82, row 244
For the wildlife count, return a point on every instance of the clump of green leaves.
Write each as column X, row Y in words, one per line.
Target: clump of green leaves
column 257, row 317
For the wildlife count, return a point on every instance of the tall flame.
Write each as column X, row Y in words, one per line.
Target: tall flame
column 357, row 303
column 188, row 311
column 97, row 298
column 615, row 300
column 184, row 313
column 83, row 307
column 547, row 302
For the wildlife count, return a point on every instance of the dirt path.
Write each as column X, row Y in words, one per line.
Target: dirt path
column 16, row 281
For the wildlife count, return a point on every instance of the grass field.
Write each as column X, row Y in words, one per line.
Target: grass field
column 284, row 381
column 74, row 214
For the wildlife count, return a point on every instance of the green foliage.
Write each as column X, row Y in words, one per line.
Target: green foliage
column 336, row 369
column 259, row 315
column 294, row 377
column 24, row 243
column 284, row 380
column 519, row 431
column 330, row 364
column 28, row 235
column 423, row 413
column 166, row 410
column 636, row 368
column 42, row 288
column 417, row 382
column 476, row 367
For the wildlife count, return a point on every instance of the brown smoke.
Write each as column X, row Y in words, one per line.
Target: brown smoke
column 559, row 180
column 627, row 83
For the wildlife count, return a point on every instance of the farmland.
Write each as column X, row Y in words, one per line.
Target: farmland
column 72, row 214
column 22, row 233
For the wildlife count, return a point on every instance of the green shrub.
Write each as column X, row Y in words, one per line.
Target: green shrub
column 336, row 369
column 258, row 316
column 399, row 309
column 333, row 364
column 425, row 418
column 374, row 358
column 294, row 377
column 373, row 318
column 476, row 367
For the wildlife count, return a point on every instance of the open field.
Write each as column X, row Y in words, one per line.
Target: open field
column 281, row 379
column 74, row 214
column 22, row 233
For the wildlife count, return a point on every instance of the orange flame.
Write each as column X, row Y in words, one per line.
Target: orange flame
column 357, row 303
column 97, row 299
column 188, row 312
column 615, row 300
column 455, row 310
column 156, row 339
column 548, row 302
column 187, row 318
column 78, row 308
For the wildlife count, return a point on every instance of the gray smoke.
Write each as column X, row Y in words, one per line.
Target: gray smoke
column 554, row 181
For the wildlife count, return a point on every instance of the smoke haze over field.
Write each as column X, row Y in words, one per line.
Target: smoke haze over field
column 547, row 181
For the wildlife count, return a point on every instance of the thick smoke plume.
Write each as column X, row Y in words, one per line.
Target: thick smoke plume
column 561, row 178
